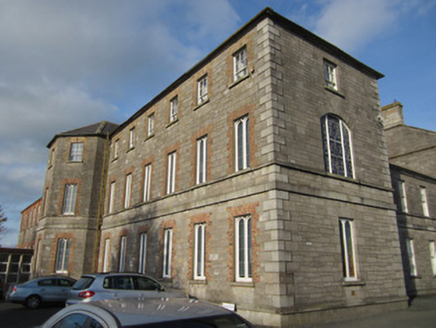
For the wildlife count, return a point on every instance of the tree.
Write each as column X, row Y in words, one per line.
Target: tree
column 3, row 220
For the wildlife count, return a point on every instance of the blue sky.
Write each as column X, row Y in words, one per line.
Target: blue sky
column 67, row 64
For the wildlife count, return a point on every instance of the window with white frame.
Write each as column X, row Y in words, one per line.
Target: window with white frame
column 424, row 202
column 142, row 253
column 76, row 152
column 150, row 130
column 132, row 138
column 174, row 105
column 70, row 194
column 122, row 256
column 62, row 255
column 171, row 173
column 147, row 183
column 240, row 64
column 347, row 249
column 411, row 255
column 128, row 191
column 106, row 255
column 116, row 148
column 433, row 256
column 403, row 196
column 338, row 152
column 167, row 252
column 243, row 250
column 201, row 160
column 112, row 196
column 242, row 143
column 202, row 90
column 330, row 75
column 199, row 251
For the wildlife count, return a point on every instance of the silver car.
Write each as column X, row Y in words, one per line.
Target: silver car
column 40, row 290
column 142, row 313
column 102, row 286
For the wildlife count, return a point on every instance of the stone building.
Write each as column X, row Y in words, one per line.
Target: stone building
column 413, row 169
column 260, row 178
column 29, row 221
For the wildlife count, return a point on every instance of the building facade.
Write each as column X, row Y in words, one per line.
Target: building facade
column 250, row 180
column 29, row 221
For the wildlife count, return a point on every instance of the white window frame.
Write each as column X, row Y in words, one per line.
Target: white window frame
column 199, row 251
column 171, row 173
column 106, row 255
column 150, row 130
column 403, row 196
column 142, row 260
column 76, row 152
column 424, row 201
column 70, row 196
column 116, row 148
column 167, row 253
column 132, row 137
column 240, row 68
column 174, row 106
column 242, row 151
column 112, row 196
column 243, row 266
column 62, row 255
column 201, row 176
column 432, row 245
column 128, row 191
column 122, row 255
column 348, row 255
column 147, row 183
column 202, row 91
column 410, row 247
column 330, row 75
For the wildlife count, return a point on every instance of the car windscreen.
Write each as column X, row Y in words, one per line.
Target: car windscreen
column 83, row 283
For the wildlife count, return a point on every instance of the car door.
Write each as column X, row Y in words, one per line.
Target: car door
column 47, row 289
column 63, row 286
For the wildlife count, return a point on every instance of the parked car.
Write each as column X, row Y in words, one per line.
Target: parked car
column 40, row 290
column 143, row 312
column 101, row 286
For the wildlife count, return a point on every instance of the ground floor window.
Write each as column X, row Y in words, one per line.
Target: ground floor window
column 199, row 251
column 122, row 263
column 347, row 249
column 243, row 249
column 142, row 252
column 62, row 255
column 168, row 237
column 410, row 245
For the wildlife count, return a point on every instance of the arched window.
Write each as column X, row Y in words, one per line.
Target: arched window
column 336, row 137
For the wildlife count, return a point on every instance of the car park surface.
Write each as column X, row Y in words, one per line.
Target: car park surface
column 40, row 290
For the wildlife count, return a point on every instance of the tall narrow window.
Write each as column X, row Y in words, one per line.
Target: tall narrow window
column 147, row 182
column 433, row 256
column 347, row 248
column 243, row 249
column 150, row 130
column 132, row 138
column 69, row 203
column 37, row 255
column 142, row 253
column 116, row 148
column 201, row 159
column 411, row 255
column 403, row 196
column 202, row 90
column 242, row 143
column 337, row 146
column 199, row 251
column 50, row 157
column 240, row 64
column 424, row 202
column 128, row 191
column 167, row 254
column 45, row 209
column 106, row 255
column 112, row 197
column 174, row 104
column 330, row 75
column 62, row 255
column 76, row 152
column 122, row 256
column 171, row 173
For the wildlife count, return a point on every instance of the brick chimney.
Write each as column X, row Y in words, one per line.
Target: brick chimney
column 392, row 115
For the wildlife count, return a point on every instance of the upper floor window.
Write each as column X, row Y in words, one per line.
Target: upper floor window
column 243, row 251
column 424, row 202
column 403, row 196
column 62, row 255
column 112, row 196
column 69, row 203
column 240, row 64
column 330, row 75
column 174, row 104
column 347, row 249
column 338, row 157
column 76, row 152
column 147, row 183
column 202, row 90
column 50, row 157
column 242, row 144
column 116, row 148
column 150, row 130
column 201, row 159
column 171, row 173
column 132, row 138
column 128, row 191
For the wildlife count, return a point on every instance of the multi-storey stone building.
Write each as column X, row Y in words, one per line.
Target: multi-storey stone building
column 29, row 220
column 260, row 178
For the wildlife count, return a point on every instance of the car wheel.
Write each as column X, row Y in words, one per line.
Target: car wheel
column 32, row 302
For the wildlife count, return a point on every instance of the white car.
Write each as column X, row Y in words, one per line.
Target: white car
column 144, row 313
